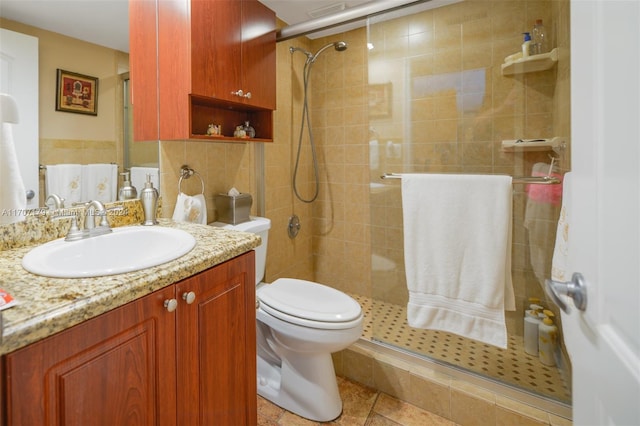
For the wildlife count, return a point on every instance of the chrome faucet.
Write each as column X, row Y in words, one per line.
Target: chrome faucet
column 96, row 208
column 58, row 202
column 93, row 208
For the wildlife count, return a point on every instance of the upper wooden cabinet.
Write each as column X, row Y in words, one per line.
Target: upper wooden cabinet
column 216, row 64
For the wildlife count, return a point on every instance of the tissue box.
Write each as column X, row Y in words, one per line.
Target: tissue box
column 233, row 209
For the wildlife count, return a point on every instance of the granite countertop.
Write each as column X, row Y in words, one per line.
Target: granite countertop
column 49, row 305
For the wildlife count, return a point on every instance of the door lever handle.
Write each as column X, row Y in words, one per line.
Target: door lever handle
column 576, row 289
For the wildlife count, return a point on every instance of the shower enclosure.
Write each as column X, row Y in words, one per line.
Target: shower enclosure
column 425, row 93
column 439, row 103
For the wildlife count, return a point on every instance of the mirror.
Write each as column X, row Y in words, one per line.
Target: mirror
column 68, row 137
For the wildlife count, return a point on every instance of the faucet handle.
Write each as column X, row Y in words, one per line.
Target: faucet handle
column 103, row 220
column 74, row 233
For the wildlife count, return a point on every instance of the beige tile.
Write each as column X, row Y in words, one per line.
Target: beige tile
column 268, row 410
column 508, row 404
column 358, row 366
column 430, row 396
column 357, row 402
column 469, row 410
column 559, row 421
column 378, row 420
column 391, row 379
column 509, row 418
column 406, row 414
column 290, row 419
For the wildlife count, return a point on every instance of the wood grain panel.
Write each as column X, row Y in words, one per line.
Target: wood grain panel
column 143, row 65
column 117, row 368
column 222, row 382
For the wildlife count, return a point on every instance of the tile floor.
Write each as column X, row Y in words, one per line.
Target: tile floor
column 511, row 366
column 361, row 406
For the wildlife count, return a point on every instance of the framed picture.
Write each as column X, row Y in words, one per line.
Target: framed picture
column 380, row 100
column 76, row 93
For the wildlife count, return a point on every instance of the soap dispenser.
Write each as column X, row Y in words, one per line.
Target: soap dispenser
column 149, row 199
column 532, row 320
column 128, row 191
column 526, row 45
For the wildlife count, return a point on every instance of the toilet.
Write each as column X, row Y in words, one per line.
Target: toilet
column 299, row 324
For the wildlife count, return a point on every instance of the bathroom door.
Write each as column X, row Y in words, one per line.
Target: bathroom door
column 19, row 78
column 604, row 211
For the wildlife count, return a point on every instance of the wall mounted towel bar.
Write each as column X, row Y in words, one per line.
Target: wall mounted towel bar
column 536, row 180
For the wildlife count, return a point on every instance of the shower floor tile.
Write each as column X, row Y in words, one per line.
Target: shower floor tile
column 512, row 366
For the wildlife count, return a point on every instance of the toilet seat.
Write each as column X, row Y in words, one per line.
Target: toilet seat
column 309, row 304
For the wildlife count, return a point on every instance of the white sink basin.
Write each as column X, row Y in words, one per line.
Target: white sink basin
column 126, row 249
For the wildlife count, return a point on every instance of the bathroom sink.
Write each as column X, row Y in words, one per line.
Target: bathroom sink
column 126, row 249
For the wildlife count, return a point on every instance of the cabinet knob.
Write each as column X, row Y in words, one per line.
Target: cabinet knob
column 247, row 95
column 171, row 304
column 189, row 297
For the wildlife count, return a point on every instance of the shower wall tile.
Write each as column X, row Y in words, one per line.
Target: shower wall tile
column 508, row 418
column 512, row 412
column 392, row 379
column 430, row 395
column 471, row 409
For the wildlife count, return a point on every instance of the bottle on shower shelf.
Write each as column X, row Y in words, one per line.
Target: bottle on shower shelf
column 547, row 339
column 526, row 45
column 538, row 38
column 532, row 320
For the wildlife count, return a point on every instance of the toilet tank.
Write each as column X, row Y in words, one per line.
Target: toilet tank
column 255, row 225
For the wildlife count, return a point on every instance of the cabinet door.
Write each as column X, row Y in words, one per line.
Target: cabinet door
column 259, row 54
column 143, row 60
column 216, row 27
column 115, row 369
column 216, row 346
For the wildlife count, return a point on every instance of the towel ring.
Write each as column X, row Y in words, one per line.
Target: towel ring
column 186, row 173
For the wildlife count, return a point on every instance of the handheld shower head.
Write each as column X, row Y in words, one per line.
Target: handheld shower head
column 340, row 46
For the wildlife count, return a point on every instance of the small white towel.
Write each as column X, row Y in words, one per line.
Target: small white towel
column 100, row 182
column 561, row 249
column 13, row 198
column 457, row 247
column 190, row 209
column 139, row 177
column 65, row 180
column 540, row 220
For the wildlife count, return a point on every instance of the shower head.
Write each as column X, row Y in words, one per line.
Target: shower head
column 340, row 46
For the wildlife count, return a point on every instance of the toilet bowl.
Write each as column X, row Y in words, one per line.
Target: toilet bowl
column 299, row 324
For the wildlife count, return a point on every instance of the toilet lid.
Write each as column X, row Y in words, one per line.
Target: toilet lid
column 309, row 300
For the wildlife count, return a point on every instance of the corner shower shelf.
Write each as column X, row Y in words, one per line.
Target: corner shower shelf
column 533, row 63
column 533, row 144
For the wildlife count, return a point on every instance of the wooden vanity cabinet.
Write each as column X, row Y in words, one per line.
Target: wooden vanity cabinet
column 141, row 364
column 210, row 55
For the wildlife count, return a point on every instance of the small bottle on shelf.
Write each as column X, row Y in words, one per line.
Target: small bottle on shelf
column 526, row 45
column 531, row 328
column 249, row 130
column 538, row 38
column 547, row 340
